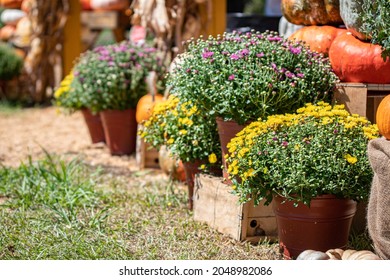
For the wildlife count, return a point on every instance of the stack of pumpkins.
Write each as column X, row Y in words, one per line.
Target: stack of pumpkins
column 334, row 28
column 16, row 26
column 104, row 5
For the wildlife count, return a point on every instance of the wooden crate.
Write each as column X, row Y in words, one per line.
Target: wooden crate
column 362, row 99
column 94, row 22
column 221, row 210
column 145, row 155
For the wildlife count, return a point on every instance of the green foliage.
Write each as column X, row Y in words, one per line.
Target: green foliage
column 243, row 77
column 319, row 150
column 375, row 17
column 58, row 186
column 10, row 63
column 69, row 94
column 187, row 131
column 254, row 7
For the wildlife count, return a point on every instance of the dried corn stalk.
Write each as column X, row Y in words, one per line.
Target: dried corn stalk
column 173, row 21
column 43, row 63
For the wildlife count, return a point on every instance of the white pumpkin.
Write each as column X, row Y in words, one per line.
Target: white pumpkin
column 11, row 16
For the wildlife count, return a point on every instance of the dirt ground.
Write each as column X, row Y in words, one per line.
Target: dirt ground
column 31, row 131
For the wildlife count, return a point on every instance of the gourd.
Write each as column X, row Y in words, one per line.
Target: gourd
column 6, row 32
column 383, row 117
column 170, row 165
column 147, row 102
column 23, row 33
column 358, row 62
column 317, row 38
column 312, row 255
column 337, row 254
column 350, row 11
column 312, row 12
column 26, row 5
column 11, row 16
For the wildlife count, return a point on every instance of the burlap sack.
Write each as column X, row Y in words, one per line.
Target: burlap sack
column 378, row 212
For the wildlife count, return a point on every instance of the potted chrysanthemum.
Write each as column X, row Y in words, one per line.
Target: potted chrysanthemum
column 240, row 77
column 188, row 133
column 301, row 162
column 110, row 81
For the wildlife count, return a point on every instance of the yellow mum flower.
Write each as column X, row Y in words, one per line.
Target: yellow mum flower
column 350, row 159
column 212, row 158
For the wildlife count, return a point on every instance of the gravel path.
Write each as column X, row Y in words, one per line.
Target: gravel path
column 31, row 131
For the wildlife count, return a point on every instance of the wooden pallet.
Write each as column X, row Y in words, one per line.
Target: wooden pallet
column 145, row 155
column 216, row 206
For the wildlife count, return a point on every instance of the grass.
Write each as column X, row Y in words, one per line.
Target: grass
column 8, row 107
column 57, row 209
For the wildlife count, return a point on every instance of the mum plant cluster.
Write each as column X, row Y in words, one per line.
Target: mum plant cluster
column 320, row 149
column 110, row 77
column 187, row 131
column 244, row 76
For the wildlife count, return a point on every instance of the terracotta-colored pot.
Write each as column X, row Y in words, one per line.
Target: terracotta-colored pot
column 191, row 169
column 94, row 125
column 120, row 129
column 226, row 130
column 322, row 226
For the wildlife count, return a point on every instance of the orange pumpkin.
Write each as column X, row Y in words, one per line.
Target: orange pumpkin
column 11, row 4
column 145, row 106
column 383, row 117
column 356, row 61
column 317, row 38
column 6, row 32
column 86, row 4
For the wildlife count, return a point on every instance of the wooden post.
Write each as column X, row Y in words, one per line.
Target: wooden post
column 217, row 24
column 72, row 36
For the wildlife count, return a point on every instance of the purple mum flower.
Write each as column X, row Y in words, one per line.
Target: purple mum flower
column 235, row 56
column 274, row 38
column 290, row 75
column 244, row 52
column 260, row 54
column 207, row 54
column 297, row 50
column 231, row 77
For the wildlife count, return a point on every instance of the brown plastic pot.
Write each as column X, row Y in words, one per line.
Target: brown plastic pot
column 226, row 131
column 120, row 129
column 94, row 125
column 191, row 169
column 322, row 226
